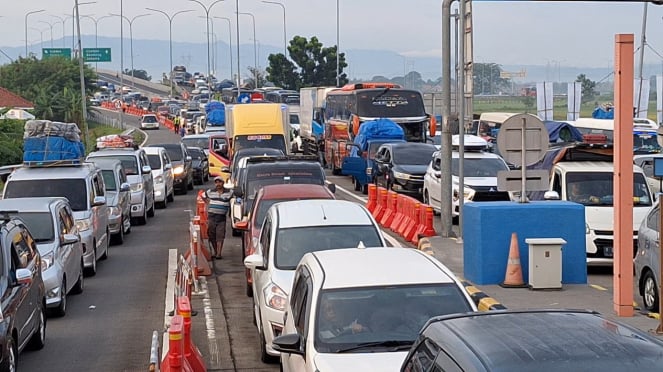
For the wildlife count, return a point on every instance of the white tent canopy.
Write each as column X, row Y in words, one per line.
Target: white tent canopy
column 17, row 114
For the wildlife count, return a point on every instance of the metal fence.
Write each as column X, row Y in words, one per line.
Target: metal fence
column 104, row 119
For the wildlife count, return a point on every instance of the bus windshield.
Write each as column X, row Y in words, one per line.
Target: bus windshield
column 390, row 103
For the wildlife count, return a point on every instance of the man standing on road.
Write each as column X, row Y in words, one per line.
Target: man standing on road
column 218, row 205
column 176, row 124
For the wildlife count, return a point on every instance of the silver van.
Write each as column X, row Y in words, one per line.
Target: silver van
column 83, row 185
column 118, row 194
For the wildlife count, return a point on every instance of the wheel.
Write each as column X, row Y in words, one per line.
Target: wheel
column 128, row 231
column 61, row 310
column 236, row 232
column 171, row 197
column 190, row 184
column 92, row 270
column 162, row 205
column 150, row 212
column 184, row 190
column 356, row 184
column 38, row 340
column 119, row 237
column 650, row 292
column 364, row 189
column 249, row 289
column 207, row 176
column 80, row 282
column 9, row 364
column 142, row 220
column 264, row 357
column 335, row 171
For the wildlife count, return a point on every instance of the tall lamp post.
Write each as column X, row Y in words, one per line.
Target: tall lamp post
column 26, row 28
column 131, row 37
column 82, row 76
column 285, row 37
column 73, row 23
column 255, row 50
column 338, row 49
column 51, row 26
column 207, row 10
column 170, row 35
column 230, row 46
column 41, row 35
column 63, row 20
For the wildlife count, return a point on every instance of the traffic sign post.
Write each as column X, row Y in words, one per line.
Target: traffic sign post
column 96, row 54
column 55, row 52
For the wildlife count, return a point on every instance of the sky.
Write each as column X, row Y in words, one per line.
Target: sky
column 571, row 33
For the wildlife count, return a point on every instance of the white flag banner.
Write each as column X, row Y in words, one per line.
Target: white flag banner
column 574, row 96
column 544, row 100
column 659, row 99
column 641, row 97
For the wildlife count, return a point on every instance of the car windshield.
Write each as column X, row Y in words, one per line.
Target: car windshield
column 486, row 167
column 393, row 103
column 128, row 162
column 645, row 142
column 413, row 155
column 196, row 154
column 174, row 152
column 154, row 160
column 390, row 316
column 72, row 189
column 203, row 143
column 256, row 180
column 40, row 225
column 595, row 189
column 150, row 119
column 109, row 180
column 274, row 141
column 293, row 243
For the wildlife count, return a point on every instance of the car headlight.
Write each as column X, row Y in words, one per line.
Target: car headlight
column 178, row 170
column 468, row 194
column 403, row 176
column 47, row 260
column 158, row 179
column 114, row 211
column 137, row 187
column 275, row 297
column 84, row 224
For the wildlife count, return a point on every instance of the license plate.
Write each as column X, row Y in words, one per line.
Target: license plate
column 607, row 251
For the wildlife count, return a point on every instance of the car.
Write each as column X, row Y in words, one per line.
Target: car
column 532, row 340
column 480, row 176
column 363, row 307
column 200, row 165
column 118, row 197
column 268, row 196
column 182, row 162
column 290, row 230
column 51, row 225
column 23, row 305
column 238, row 164
column 401, row 166
column 83, row 186
column 139, row 174
column 162, row 174
column 647, row 260
column 197, row 140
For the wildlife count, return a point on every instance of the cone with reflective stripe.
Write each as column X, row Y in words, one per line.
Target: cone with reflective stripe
column 514, row 272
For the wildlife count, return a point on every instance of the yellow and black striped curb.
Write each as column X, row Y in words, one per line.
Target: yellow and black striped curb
column 425, row 246
column 636, row 307
column 482, row 300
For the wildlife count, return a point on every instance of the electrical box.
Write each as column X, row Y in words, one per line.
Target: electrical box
column 545, row 262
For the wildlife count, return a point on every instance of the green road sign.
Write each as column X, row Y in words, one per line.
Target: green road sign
column 96, row 54
column 55, row 52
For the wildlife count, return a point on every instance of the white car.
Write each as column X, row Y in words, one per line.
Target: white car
column 149, row 121
column 162, row 175
column 480, row 176
column 290, row 230
column 361, row 309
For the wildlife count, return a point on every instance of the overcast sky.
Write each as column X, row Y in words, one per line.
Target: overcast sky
column 579, row 34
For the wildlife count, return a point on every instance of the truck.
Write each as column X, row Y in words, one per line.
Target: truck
column 258, row 125
column 360, row 163
column 311, row 119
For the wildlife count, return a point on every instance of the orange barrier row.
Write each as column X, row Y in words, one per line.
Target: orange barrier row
column 201, row 211
column 191, row 353
column 197, row 255
column 183, row 280
column 183, row 355
column 402, row 214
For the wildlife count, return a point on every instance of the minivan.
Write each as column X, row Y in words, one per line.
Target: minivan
column 162, row 173
column 118, row 194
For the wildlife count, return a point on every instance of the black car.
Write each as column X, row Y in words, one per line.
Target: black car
column 200, row 165
column 182, row 165
column 22, row 295
column 401, row 166
column 532, row 340
column 236, row 171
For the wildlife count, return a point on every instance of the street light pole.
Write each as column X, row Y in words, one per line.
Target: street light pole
column 73, row 23
column 26, row 28
column 51, row 26
column 239, row 89
column 207, row 10
column 131, row 37
column 170, row 35
column 230, row 47
column 338, row 48
column 255, row 52
column 82, row 78
column 285, row 37
column 41, row 36
column 63, row 31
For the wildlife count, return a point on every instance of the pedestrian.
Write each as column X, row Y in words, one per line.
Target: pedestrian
column 218, row 205
column 176, row 123
column 182, row 132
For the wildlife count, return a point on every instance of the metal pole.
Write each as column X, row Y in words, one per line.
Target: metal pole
column 338, row 48
column 255, row 52
column 461, row 117
column 457, row 61
column 285, row 37
column 643, row 43
column 445, row 140
column 121, row 63
column 81, row 65
column 230, row 47
column 51, row 26
column 26, row 28
column 207, row 10
column 239, row 90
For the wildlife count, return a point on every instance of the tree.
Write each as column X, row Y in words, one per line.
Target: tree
column 255, row 72
column 588, row 88
column 487, row 78
column 310, row 65
column 139, row 74
column 11, row 141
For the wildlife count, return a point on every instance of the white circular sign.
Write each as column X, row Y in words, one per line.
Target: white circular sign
column 511, row 144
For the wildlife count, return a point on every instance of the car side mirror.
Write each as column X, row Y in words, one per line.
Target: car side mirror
column 290, row 344
column 437, row 174
column 242, row 225
column 70, row 239
column 332, row 187
column 98, row 201
column 146, row 169
column 23, row 276
column 125, row 187
column 551, row 195
column 225, row 170
column 238, row 193
column 255, row 261
column 188, row 158
column 168, row 166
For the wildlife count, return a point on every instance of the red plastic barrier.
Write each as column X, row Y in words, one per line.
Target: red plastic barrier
column 399, row 215
column 426, row 227
column 372, row 197
column 407, row 215
column 191, row 353
column 412, row 227
column 382, row 204
column 390, row 212
column 174, row 361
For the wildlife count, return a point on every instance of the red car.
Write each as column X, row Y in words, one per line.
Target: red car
column 266, row 197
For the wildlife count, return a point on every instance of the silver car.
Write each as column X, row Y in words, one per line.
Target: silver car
column 118, row 194
column 647, row 260
column 52, row 225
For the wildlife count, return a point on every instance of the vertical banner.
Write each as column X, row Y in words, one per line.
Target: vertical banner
column 574, row 96
column 640, row 97
column 544, row 100
column 659, row 99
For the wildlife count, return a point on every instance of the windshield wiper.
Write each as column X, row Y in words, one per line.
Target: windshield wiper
column 380, row 94
column 394, row 344
column 41, row 240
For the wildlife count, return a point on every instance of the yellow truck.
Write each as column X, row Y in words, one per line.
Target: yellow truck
column 251, row 125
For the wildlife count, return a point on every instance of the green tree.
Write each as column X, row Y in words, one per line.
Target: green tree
column 250, row 81
column 11, row 141
column 138, row 74
column 487, row 78
column 310, row 65
column 588, row 88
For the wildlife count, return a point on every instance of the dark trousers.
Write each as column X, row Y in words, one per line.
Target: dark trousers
column 216, row 228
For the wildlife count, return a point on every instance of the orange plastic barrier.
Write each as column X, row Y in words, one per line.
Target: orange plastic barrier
column 390, row 212
column 398, row 217
column 426, row 227
column 407, row 215
column 191, row 353
column 197, row 220
column 183, row 280
column 201, row 210
column 382, row 204
column 194, row 255
column 372, row 197
column 174, row 361
column 412, row 227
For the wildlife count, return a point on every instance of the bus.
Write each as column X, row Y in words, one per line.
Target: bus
column 644, row 133
column 289, row 97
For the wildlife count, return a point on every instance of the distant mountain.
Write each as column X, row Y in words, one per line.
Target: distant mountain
column 152, row 56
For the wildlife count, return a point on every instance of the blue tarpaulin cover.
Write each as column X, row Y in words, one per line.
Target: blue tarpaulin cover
column 214, row 105
column 559, row 131
column 603, row 113
column 376, row 129
column 51, row 149
column 216, row 113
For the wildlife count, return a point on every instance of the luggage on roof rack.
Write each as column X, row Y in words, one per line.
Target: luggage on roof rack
column 47, row 143
column 116, row 141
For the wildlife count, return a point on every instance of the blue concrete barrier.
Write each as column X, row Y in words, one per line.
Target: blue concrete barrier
column 487, row 229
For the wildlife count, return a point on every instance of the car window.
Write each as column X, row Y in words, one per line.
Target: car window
column 68, row 218
column 297, row 296
column 98, row 185
column 164, row 158
column 422, row 358
column 154, row 161
column 654, row 218
column 40, row 225
column 109, row 179
column 265, row 237
column 73, row 189
column 22, row 249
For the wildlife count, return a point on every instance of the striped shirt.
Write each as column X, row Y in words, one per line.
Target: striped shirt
column 219, row 202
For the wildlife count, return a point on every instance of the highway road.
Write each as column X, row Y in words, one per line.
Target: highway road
column 152, row 89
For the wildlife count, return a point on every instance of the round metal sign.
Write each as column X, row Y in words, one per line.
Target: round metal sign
column 512, row 144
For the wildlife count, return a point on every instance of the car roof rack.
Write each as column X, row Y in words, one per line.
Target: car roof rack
column 53, row 163
column 273, row 158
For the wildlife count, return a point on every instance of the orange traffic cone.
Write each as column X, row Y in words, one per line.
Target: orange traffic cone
column 514, row 272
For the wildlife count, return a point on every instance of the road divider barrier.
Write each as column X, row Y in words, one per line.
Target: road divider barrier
column 154, row 353
column 201, row 211
column 195, row 256
column 174, row 360
column 183, row 281
column 404, row 215
column 192, row 355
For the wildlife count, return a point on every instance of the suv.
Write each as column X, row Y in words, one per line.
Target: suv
column 83, row 185
column 118, row 195
column 149, row 121
column 181, row 163
column 23, row 307
column 647, row 260
column 139, row 174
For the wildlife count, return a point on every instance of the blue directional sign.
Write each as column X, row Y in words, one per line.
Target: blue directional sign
column 244, row 98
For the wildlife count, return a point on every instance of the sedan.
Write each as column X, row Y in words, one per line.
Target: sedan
column 401, row 166
column 149, row 121
column 200, row 165
column 647, row 260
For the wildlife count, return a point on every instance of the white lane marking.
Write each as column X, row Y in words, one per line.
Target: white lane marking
column 169, row 301
column 390, row 238
column 209, row 325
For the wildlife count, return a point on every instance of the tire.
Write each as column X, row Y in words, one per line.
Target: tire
column 364, row 189
column 105, row 255
column 249, row 289
column 206, row 176
column 189, row 186
column 171, row 197
column 61, row 310
column 92, row 271
column 162, row 205
column 9, row 363
column 80, row 282
column 236, row 232
column 264, row 357
column 119, row 237
column 38, row 340
column 356, row 184
column 185, row 190
column 650, row 292
column 335, row 171
column 150, row 212
column 142, row 220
